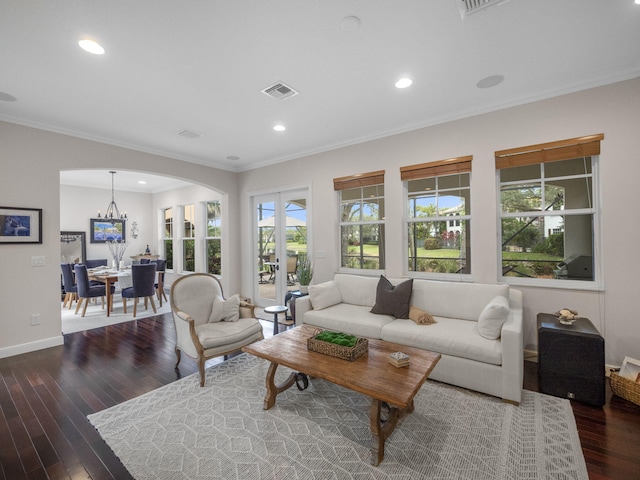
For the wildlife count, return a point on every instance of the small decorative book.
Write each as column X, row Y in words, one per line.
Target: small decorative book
column 399, row 359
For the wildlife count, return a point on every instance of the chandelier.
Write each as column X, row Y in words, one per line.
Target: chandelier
column 113, row 213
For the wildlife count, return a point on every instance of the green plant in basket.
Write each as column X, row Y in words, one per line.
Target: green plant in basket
column 337, row 338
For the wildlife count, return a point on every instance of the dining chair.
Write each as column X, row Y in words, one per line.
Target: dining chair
column 70, row 287
column 96, row 262
column 161, row 266
column 143, row 277
column 87, row 291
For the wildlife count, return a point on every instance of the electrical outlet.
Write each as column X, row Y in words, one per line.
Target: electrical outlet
column 35, row 319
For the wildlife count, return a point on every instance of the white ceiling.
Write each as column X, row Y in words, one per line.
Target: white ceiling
column 201, row 65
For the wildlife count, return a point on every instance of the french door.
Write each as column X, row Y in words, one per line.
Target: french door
column 281, row 242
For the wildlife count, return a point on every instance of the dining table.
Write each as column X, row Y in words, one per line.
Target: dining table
column 109, row 276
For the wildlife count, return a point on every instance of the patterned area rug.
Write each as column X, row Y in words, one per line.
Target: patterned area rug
column 96, row 316
column 182, row 431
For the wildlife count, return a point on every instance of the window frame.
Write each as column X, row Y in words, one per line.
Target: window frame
column 552, row 152
column 436, row 170
column 362, row 182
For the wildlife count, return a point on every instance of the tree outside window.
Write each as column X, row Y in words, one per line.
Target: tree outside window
column 213, row 240
column 167, row 240
column 188, row 239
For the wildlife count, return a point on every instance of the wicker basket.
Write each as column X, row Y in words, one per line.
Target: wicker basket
column 339, row 351
column 625, row 388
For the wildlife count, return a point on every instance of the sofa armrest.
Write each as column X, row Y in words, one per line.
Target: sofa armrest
column 303, row 305
column 512, row 339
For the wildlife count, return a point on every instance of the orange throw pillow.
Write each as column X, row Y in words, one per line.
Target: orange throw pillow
column 420, row 316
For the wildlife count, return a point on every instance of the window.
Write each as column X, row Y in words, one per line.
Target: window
column 548, row 212
column 213, row 239
column 188, row 239
column 362, row 220
column 167, row 239
column 438, row 216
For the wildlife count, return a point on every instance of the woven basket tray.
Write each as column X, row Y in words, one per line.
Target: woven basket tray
column 625, row 388
column 339, row 351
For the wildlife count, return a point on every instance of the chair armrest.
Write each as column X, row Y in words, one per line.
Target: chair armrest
column 183, row 316
column 186, row 337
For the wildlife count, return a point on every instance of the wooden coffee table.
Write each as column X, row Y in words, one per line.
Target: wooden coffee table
column 372, row 375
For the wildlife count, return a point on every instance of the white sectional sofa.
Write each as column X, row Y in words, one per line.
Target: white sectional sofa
column 465, row 314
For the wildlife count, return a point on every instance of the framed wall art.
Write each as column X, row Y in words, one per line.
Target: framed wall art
column 102, row 230
column 20, row 225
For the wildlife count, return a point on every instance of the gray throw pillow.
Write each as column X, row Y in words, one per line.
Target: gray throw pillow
column 393, row 300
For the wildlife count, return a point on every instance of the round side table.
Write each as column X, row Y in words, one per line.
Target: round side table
column 275, row 309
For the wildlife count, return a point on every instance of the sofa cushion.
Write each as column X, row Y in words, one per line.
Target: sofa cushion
column 324, row 295
column 347, row 318
column 420, row 317
column 454, row 299
column 357, row 289
column 449, row 336
column 493, row 317
column 227, row 310
column 393, row 300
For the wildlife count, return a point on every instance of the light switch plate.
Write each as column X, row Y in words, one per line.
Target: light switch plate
column 37, row 261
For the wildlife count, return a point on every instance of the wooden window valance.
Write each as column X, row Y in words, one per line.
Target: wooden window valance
column 549, row 152
column 449, row 166
column 359, row 180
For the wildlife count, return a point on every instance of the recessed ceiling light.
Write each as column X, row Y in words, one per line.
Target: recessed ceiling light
column 404, row 82
column 349, row 24
column 279, row 128
column 637, row 2
column 491, row 81
column 142, row 182
column 91, row 46
column 233, row 158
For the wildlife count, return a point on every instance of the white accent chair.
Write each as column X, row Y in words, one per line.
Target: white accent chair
column 191, row 298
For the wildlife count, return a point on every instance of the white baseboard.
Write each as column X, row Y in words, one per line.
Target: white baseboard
column 31, row 346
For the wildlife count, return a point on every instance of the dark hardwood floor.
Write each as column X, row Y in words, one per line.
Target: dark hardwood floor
column 46, row 395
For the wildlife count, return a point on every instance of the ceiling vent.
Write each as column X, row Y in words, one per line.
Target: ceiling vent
column 279, row 91
column 468, row 7
column 189, row 133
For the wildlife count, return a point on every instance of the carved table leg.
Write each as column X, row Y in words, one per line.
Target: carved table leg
column 382, row 428
column 272, row 389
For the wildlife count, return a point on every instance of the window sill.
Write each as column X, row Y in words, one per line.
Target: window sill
column 553, row 283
